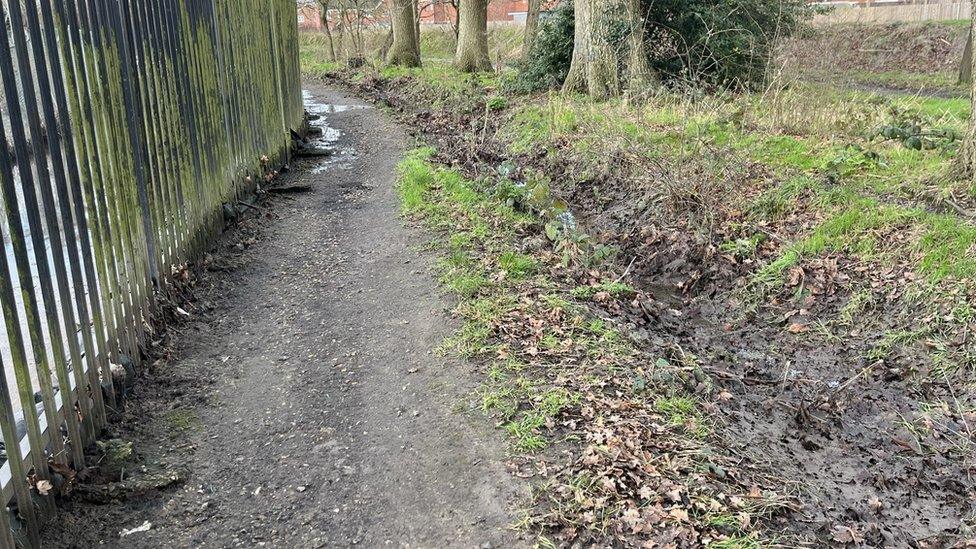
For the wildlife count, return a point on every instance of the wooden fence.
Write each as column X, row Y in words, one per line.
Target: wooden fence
column 127, row 126
column 883, row 12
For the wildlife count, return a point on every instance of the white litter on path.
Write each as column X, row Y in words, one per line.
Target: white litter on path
column 144, row 527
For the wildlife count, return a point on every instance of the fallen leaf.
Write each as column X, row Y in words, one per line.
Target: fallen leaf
column 846, row 534
column 678, row 514
column 875, row 505
column 44, row 487
column 797, row 328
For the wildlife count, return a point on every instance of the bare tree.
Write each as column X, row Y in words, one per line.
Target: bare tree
column 324, row 6
column 416, row 20
column 604, row 65
column 472, row 47
column 456, row 4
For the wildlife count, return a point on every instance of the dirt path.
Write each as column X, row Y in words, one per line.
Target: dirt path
column 326, row 420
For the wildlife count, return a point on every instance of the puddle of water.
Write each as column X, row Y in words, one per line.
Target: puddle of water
column 329, row 137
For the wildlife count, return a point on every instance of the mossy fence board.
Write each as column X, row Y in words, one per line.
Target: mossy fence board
column 127, row 126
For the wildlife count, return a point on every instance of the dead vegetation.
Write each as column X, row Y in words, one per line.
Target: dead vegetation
column 911, row 57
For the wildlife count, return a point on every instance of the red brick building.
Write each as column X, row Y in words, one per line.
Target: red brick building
column 308, row 17
column 431, row 12
column 499, row 11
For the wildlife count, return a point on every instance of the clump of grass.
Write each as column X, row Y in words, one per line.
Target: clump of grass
column 614, row 289
column 681, row 411
column 515, row 265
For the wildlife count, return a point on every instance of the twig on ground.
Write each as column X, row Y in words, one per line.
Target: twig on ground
column 291, row 189
column 626, row 271
column 250, row 206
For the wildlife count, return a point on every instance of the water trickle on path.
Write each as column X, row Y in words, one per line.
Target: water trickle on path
column 330, row 136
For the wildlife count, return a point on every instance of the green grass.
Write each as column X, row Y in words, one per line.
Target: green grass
column 515, row 265
column 478, row 224
column 939, row 245
column 681, row 411
column 614, row 289
column 828, row 165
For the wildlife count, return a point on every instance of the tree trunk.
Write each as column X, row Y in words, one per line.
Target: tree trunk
column 604, row 63
column 404, row 50
column 641, row 78
column 966, row 160
column 324, row 17
column 384, row 52
column 457, row 20
column 416, row 18
column 966, row 69
column 472, row 49
column 531, row 27
column 340, row 40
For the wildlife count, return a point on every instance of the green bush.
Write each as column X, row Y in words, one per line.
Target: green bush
column 701, row 43
column 548, row 64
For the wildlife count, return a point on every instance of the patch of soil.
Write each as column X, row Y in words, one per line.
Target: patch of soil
column 876, row 450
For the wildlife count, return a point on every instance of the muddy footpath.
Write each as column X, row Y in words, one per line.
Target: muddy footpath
column 301, row 404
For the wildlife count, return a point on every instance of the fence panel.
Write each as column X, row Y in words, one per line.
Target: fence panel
column 128, row 126
column 891, row 12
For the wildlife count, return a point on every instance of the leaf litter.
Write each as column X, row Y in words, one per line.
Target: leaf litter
column 813, row 415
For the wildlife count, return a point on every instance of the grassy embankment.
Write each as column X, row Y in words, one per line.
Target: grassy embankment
column 830, row 182
column 912, row 57
column 797, row 182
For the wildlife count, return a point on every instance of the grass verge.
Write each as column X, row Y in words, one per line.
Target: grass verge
column 617, row 439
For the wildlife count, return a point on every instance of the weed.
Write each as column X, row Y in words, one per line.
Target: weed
column 515, row 265
column 613, row 289
column 680, row 411
column 497, row 103
column 859, row 303
column 741, row 247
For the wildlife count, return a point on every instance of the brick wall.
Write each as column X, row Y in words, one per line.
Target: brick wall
column 308, row 18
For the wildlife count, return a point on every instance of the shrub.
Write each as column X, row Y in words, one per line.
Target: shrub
column 548, row 63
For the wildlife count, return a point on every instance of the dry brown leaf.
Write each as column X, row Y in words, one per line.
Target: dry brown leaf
column 797, row 328
column 875, row 504
column 846, row 534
